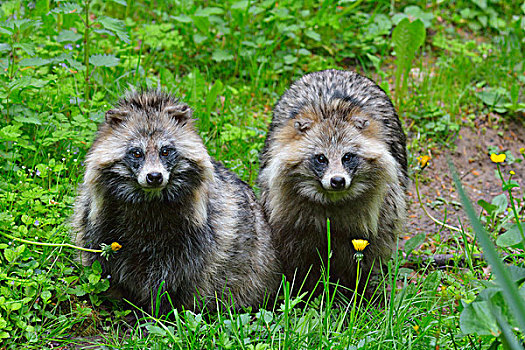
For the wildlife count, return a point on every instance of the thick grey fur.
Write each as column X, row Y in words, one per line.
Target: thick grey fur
column 202, row 232
column 333, row 112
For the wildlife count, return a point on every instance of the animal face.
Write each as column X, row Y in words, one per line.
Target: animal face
column 148, row 149
column 328, row 160
column 151, row 162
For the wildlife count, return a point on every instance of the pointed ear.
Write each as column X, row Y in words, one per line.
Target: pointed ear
column 116, row 116
column 180, row 112
column 360, row 122
column 302, row 125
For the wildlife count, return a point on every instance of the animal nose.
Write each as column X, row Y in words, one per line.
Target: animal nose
column 154, row 179
column 337, row 182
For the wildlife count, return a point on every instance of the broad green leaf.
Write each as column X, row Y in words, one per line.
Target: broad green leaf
column 182, row 18
column 104, row 60
column 6, row 29
column 4, row 47
column 93, row 278
column 45, row 295
column 416, row 12
column 78, row 291
column 26, row 81
column 208, row 11
column 481, row 3
column 500, row 202
column 10, row 255
column 489, row 208
column 312, row 35
column 10, row 133
column 67, row 7
column 115, row 26
column 220, row 55
column 414, row 243
column 120, row 2
column 510, row 238
column 155, row 330
column 41, row 7
column 68, row 36
column 483, row 20
column 290, row 59
column 34, row 62
column 28, row 48
column 15, row 306
column 199, row 38
column 201, row 23
column 517, row 273
column 240, row 5
column 28, row 119
column 494, row 97
column 26, row 24
column 97, row 268
column 477, row 318
column 304, row 52
column 408, row 37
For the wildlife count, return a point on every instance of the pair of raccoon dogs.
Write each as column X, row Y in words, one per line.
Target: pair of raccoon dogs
column 335, row 149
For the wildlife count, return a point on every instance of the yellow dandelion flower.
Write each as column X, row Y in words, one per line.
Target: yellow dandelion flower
column 512, row 172
column 522, row 150
column 416, row 328
column 115, row 246
column 360, row 244
column 423, row 161
column 498, row 158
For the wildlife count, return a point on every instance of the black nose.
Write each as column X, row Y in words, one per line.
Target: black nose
column 154, row 179
column 337, row 182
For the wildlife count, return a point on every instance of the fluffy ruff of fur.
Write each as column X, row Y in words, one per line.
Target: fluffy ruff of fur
column 181, row 218
column 335, row 149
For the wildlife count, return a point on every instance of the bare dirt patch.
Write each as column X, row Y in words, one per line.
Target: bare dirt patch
column 477, row 172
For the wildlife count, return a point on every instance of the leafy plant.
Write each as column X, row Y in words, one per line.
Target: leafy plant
column 63, row 63
column 407, row 38
column 500, row 306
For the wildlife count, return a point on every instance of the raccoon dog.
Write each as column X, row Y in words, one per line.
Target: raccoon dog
column 335, row 149
column 181, row 218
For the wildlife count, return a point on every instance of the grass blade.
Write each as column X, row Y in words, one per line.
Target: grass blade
column 509, row 288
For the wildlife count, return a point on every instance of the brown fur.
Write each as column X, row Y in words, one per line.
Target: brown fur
column 350, row 121
column 181, row 218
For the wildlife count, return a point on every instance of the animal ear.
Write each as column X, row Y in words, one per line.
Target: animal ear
column 360, row 122
column 179, row 112
column 302, row 125
column 116, row 116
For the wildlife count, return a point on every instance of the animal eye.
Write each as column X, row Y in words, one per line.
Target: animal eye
column 164, row 151
column 347, row 157
column 321, row 159
column 136, row 153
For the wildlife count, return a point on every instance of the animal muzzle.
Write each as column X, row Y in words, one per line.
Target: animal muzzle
column 154, row 179
column 336, row 182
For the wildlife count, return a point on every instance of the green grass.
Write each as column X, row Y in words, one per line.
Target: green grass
column 231, row 61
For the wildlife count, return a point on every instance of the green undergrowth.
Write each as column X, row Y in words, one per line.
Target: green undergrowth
column 64, row 63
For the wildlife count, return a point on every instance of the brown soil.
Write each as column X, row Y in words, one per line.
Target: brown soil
column 477, row 172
